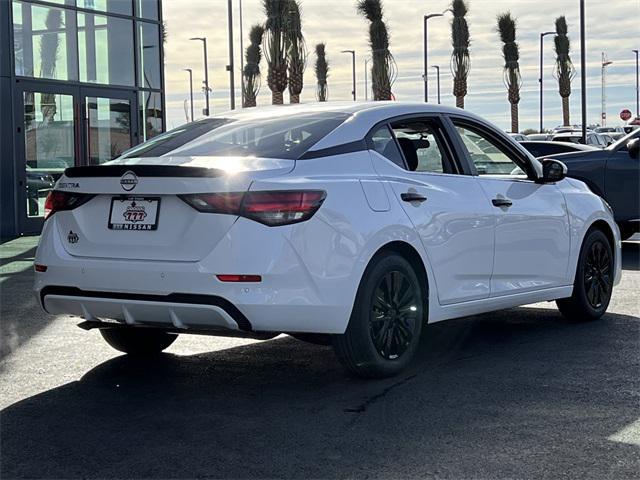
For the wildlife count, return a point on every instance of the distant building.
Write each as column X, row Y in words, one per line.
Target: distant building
column 83, row 82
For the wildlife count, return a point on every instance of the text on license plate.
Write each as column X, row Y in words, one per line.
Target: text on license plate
column 134, row 213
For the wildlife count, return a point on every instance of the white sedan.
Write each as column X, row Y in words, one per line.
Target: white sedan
column 354, row 224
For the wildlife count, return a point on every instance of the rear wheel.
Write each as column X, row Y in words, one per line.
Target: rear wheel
column 593, row 284
column 138, row 341
column 386, row 322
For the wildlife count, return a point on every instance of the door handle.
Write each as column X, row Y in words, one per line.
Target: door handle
column 501, row 202
column 412, row 197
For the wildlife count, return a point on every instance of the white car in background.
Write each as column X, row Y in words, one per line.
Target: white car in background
column 349, row 223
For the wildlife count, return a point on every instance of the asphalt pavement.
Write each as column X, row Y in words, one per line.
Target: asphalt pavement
column 521, row 393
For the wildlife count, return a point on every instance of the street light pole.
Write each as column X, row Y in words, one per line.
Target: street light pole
column 366, row 76
column 190, row 89
column 426, row 53
column 583, row 71
column 605, row 64
column 230, row 67
column 637, row 86
column 206, row 74
column 437, row 67
column 353, row 70
column 541, row 79
column 241, row 53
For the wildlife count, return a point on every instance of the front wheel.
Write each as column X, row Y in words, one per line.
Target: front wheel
column 384, row 329
column 593, row 284
column 138, row 341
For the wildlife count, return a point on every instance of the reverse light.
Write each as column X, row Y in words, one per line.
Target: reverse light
column 58, row 201
column 272, row 207
column 240, row 278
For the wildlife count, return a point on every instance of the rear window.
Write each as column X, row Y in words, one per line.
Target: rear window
column 281, row 137
column 171, row 140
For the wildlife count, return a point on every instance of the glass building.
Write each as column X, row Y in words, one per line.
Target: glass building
column 80, row 82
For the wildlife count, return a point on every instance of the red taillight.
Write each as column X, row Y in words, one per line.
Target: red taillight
column 40, row 268
column 57, row 201
column 271, row 208
column 240, row 278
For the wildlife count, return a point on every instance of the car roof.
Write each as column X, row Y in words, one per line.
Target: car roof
column 574, row 146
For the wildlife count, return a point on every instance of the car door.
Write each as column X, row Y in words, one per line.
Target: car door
column 622, row 183
column 532, row 228
column 444, row 202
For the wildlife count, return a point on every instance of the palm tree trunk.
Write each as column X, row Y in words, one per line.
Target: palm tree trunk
column 294, row 98
column 514, row 118
column 565, row 111
column 460, row 101
column 277, row 98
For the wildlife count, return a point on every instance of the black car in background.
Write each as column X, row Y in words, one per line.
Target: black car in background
column 614, row 174
column 545, row 148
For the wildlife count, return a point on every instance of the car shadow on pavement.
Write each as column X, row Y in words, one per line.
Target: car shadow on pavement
column 520, row 393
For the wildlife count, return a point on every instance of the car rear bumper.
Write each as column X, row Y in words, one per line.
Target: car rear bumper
column 189, row 296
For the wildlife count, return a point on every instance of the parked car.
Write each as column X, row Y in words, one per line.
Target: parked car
column 538, row 137
column 518, row 137
column 346, row 223
column 39, row 184
column 542, row 149
column 576, row 137
column 609, row 130
column 614, row 174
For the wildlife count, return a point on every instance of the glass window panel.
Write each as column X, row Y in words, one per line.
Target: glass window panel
column 487, row 156
column 151, row 123
column 384, row 143
column 44, row 42
column 123, row 7
column 106, row 49
column 49, row 144
column 149, row 44
column 147, row 9
column 109, row 128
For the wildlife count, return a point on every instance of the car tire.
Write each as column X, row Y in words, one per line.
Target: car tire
column 593, row 283
column 386, row 322
column 627, row 231
column 138, row 341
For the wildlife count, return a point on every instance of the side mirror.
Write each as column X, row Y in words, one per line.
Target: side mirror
column 633, row 147
column 552, row 171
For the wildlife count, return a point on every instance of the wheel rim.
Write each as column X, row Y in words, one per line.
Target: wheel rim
column 394, row 312
column 597, row 275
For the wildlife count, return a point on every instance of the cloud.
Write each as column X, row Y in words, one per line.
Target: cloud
column 611, row 27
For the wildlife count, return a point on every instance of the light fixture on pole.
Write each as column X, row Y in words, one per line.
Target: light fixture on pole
column 605, row 64
column 583, row 71
column 190, row 89
column 206, row 88
column 426, row 53
column 541, row 78
column 230, row 67
column 353, row 70
column 637, row 86
column 437, row 67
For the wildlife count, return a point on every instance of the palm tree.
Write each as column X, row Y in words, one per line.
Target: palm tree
column 251, row 71
column 511, row 53
column 322, row 72
column 274, row 47
column 460, row 62
column 564, row 71
column 383, row 69
column 296, row 51
column 49, row 50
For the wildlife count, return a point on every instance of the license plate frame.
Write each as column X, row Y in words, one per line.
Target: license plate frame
column 134, row 225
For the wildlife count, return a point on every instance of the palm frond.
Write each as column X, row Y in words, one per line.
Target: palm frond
column 461, row 40
column 322, row 72
column 251, row 71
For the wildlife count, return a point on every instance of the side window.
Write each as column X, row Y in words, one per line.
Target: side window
column 383, row 142
column 486, row 155
column 422, row 146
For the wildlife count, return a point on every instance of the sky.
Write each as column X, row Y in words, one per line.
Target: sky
column 612, row 27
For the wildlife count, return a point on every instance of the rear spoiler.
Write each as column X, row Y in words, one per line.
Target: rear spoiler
column 142, row 171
